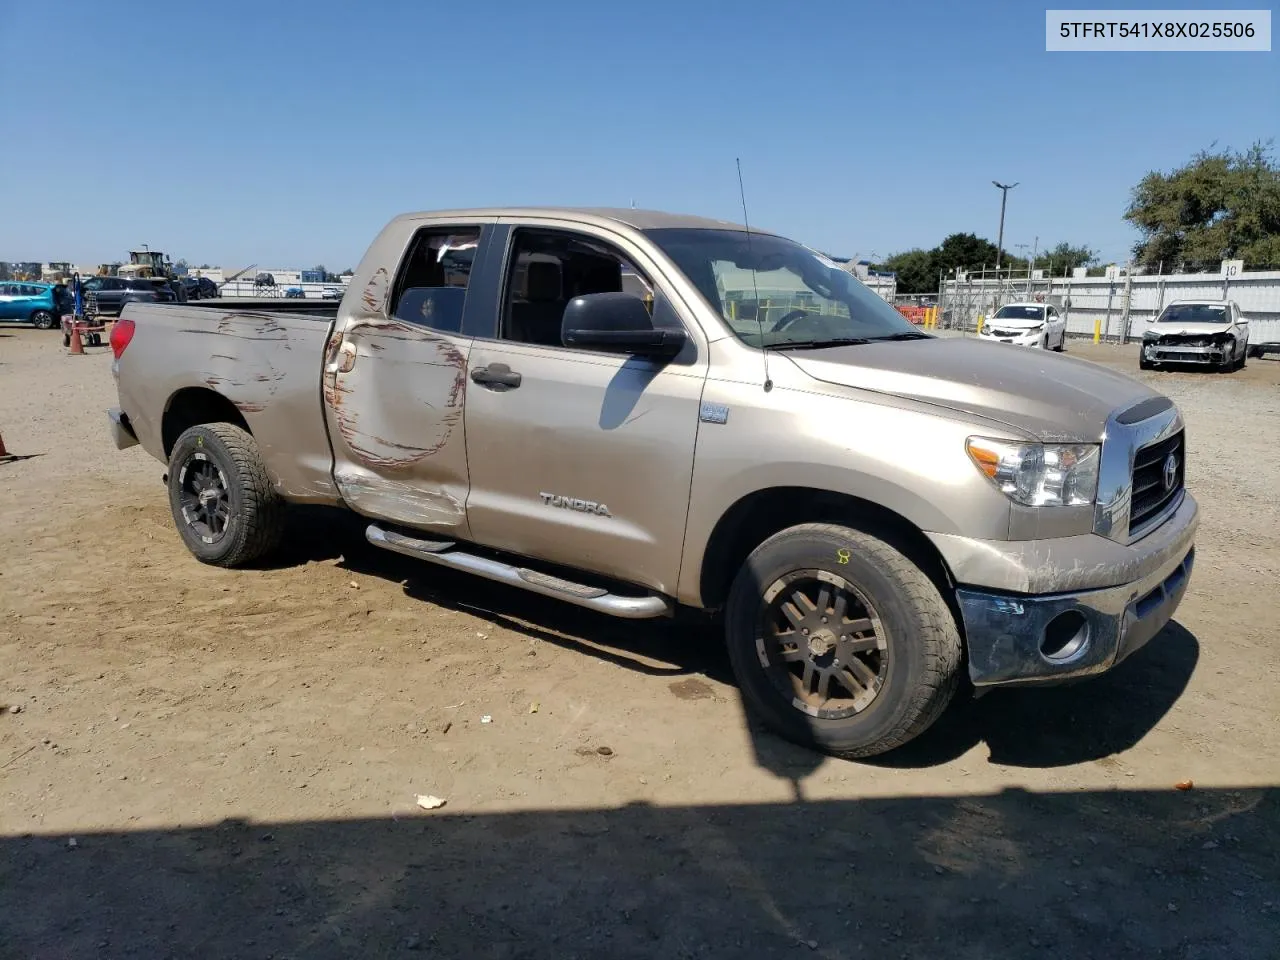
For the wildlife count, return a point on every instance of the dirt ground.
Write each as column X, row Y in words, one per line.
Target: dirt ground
column 198, row 762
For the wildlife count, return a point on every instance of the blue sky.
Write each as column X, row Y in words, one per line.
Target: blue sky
column 286, row 134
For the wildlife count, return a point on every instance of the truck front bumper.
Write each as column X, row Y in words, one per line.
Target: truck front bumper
column 1093, row 601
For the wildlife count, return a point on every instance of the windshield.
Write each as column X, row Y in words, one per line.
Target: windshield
column 1014, row 312
column 1194, row 313
column 774, row 292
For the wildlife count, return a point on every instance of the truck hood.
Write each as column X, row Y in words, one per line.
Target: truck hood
column 1186, row 329
column 1042, row 394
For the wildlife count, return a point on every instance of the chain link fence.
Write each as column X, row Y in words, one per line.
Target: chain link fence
column 1115, row 308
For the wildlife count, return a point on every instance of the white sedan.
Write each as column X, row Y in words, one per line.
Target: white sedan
column 1027, row 325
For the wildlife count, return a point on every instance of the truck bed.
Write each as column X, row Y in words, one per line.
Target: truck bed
column 319, row 309
column 264, row 358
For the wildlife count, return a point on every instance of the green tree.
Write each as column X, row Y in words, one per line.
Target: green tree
column 1220, row 205
column 1065, row 257
column 916, row 270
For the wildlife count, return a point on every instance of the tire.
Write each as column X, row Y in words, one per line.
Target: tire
column 43, row 320
column 1145, row 364
column 906, row 679
column 66, row 339
column 242, row 518
column 1062, row 343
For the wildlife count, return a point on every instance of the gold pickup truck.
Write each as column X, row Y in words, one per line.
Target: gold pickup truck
column 637, row 411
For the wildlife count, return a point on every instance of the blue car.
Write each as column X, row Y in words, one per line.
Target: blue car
column 40, row 304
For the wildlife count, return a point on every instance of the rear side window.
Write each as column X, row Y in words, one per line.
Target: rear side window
column 432, row 288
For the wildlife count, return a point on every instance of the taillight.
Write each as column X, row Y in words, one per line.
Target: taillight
column 121, row 334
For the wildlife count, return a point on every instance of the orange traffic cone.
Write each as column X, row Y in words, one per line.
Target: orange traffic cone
column 77, row 346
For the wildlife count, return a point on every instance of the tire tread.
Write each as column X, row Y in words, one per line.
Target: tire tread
column 262, row 510
column 940, row 636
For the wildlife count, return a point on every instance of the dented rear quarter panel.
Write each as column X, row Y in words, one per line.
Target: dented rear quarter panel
column 268, row 364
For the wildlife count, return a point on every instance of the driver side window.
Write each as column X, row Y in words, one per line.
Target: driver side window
column 548, row 268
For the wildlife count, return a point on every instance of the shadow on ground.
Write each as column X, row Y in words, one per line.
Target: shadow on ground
column 1015, row 874
column 1045, row 727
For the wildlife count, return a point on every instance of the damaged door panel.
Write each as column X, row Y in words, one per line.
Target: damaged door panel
column 395, row 381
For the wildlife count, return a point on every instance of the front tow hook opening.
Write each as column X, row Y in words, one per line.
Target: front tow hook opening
column 1065, row 637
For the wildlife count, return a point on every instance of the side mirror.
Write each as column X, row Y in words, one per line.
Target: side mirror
column 617, row 323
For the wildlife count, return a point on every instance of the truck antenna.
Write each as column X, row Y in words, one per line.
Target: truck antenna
column 742, row 194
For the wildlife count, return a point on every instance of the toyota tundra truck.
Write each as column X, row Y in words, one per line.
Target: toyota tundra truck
column 639, row 412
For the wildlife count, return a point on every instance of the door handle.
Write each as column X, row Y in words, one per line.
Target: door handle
column 496, row 375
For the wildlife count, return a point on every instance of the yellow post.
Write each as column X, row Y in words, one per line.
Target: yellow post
column 981, row 320
column 1097, row 331
column 733, row 309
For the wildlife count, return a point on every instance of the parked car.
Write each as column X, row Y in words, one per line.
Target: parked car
column 1027, row 325
column 1207, row 332
column 208, row 289
column 331, row 293
column 872, row 509
column 191, row 287
column 294, row 292
column 40, row 304
column 112, row 293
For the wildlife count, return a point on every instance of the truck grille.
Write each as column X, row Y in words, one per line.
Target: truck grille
column 1153, row 487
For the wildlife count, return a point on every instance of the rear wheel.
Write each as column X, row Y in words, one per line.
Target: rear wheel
column 42, row 320
column 839, row 642
column 221, row 498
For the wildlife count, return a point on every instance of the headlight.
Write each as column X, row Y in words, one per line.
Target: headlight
column 1030, row 330
column 1039, row 474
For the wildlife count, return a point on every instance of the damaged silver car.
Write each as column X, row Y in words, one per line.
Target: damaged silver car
column 1206, row 332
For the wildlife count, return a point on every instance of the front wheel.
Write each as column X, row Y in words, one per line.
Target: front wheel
column 222, row 500
column 42, row 320
column 839, row 642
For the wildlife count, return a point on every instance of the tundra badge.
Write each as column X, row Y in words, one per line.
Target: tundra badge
column 573, row 503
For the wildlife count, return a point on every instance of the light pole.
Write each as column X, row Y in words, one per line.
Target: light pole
column 1035, row 248
column 1004, row 197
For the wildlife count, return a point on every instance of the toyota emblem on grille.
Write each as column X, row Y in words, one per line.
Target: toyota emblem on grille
column 1170, row 472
